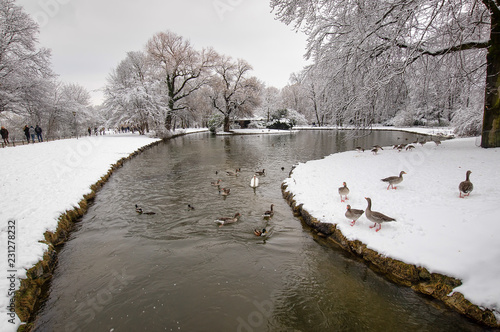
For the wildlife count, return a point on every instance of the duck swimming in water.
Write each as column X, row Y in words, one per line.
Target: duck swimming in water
column 262, row 232
column 261, row 173
column 268, row 214
column 254, row 182
column 228, row 220
column 140, row 211
column 224, row 191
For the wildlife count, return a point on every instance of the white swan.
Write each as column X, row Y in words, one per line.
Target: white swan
column 254, row 183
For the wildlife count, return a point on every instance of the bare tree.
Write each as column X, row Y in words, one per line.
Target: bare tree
column 231, row 91
column 132, row 96
column 23, row 67
column 390, row 36
column 182, row 69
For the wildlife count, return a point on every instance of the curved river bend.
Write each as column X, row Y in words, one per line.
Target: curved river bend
column 178, row 271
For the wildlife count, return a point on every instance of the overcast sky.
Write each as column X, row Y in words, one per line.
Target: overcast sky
column 88, row 38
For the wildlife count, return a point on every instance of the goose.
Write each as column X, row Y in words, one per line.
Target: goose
column 268, row 214
column 353, row 214
column 466, row 186
column 343, row 191
column 392, row 180
column 262, row 232
column 140, row 211
column 376, row 217
column 254, row 182
column 261, row 173
column 228, row 220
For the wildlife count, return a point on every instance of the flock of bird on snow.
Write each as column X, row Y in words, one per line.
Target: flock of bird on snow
column 465, row 188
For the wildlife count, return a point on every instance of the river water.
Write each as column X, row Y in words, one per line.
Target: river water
column 177, row 270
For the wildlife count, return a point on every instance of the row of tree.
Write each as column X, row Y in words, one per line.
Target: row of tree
column 391, row 62
column 402, row 62
column 170, row 84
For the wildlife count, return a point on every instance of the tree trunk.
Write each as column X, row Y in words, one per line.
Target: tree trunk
column 491, row 119
column 168, row 121
column 226, row 123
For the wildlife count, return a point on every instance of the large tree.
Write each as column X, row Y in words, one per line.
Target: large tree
column 24, row 67
column 182, row 69
column 231, row 91
column 385, row 37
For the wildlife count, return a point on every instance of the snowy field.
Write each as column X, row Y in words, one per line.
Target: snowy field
column 435, row 228
column 39, row 183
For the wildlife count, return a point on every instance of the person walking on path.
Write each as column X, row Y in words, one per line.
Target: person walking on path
column 38, row 132
column 32, row 134
column 5, row 135
column 27, row 133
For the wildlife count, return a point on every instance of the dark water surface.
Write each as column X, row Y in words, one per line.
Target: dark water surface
column 178, row 271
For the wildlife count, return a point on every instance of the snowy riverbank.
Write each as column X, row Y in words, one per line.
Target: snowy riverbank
column 435, row 228
column 39, row 183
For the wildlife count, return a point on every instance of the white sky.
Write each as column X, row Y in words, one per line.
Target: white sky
column 88, row 38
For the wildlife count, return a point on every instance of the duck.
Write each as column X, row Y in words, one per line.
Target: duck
column 216, row 183
column 377, row 147
column 392, row 180
column 262, row 232
column 254, row 182
column 228, row 220
column 224, row 191
column 268, row 214
column 360, row 149
column 353, row 214
column 343, row 191
column 375, row 150
column 410, row 147
column 376, row 217
column 437, row 142
column 465, row 187
column 261, row 173
column 235, row 173
column 140, row 211
column 190, row 207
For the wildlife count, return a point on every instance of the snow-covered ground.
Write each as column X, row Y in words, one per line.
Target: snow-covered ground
column 435, row 228
column 39, row 183
column 435, row 131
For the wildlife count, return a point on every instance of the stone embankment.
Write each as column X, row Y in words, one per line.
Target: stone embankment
column 418, row 278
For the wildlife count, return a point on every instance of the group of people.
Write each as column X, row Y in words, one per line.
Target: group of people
column 29, row 131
